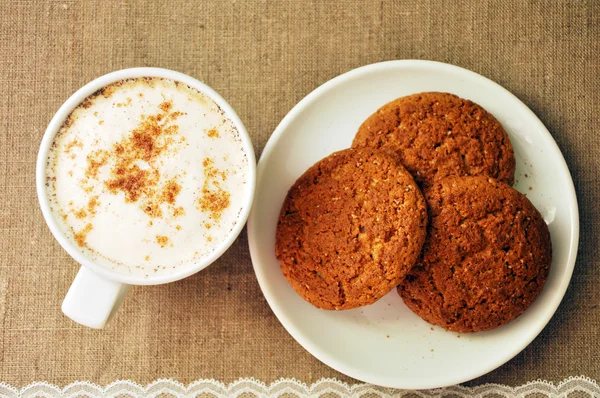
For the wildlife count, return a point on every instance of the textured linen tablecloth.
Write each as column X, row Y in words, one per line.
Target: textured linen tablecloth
column 263, row 57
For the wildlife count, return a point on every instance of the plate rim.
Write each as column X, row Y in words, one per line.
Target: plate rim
column 306, row 342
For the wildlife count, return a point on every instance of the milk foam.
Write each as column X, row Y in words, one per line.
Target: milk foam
column 146, row 176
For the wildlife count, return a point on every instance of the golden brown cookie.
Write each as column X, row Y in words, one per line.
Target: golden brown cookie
column 438, row 135
column 486, row 257
column 350, row 229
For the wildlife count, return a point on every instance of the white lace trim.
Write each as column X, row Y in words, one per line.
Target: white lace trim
column 294, row 388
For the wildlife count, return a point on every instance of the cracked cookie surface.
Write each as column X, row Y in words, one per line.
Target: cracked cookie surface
column 438, row 135
column 486, row 258
column 350, row 229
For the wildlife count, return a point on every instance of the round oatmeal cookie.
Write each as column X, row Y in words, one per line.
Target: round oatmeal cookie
column 438, row 135
column 350, row 229
column 486, row 257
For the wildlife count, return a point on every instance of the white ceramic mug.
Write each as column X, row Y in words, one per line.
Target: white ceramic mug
column 98, row 291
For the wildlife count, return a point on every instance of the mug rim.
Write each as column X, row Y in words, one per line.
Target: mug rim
column 53, row 128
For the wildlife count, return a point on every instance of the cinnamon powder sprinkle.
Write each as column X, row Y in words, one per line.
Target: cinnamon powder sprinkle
column 172, row 116
column 92, row 204
column 126, row 103
column 162, row 240
column 214, row 199
column 213, row 133
column 178, row 211
column 96, row 160
column 80, row 237
column 152, row 210
column 170, row 192
column 80, row 214
column 178, row 227
column 72, row 144
column 134, row 171
column 166, row 106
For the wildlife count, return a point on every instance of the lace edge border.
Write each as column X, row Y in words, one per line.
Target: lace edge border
column 292, row 386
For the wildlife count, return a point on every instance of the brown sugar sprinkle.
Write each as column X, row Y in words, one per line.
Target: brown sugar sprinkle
column 81, row 236
column 162, row 240
column 214, row 199
column 213, row 133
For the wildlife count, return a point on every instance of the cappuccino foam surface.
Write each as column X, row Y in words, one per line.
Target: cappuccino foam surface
column 147, row 175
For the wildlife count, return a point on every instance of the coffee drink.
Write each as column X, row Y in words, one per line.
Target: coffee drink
column 147, row 175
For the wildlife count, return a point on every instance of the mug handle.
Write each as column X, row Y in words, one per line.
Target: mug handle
column 92, row 299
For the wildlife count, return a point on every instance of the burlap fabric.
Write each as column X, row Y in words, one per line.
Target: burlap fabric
column 263, row 57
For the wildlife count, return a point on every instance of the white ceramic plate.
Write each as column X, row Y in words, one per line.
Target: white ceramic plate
column 385, row 343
